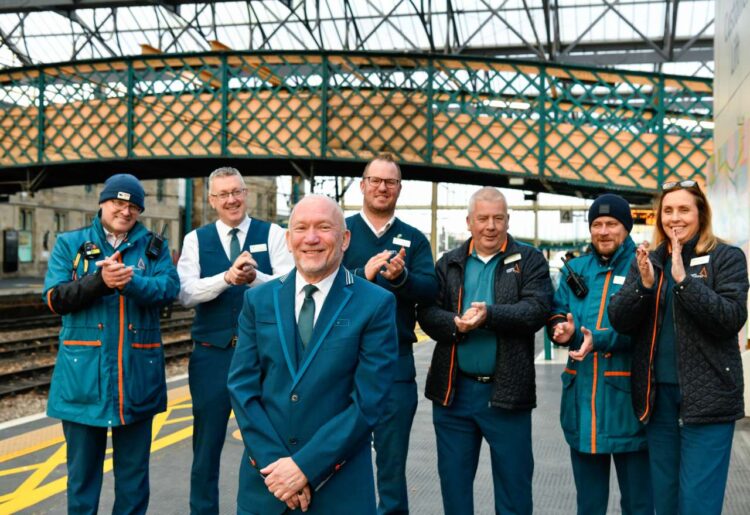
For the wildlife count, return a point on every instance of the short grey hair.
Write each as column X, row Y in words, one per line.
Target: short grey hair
column 224, row 171
column 312, row 196
column 487, row 194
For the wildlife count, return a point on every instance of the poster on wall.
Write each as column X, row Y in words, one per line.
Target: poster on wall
column 25, row 247
column 728, row 183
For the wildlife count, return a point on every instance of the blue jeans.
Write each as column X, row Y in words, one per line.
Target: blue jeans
column 459, row 429
column 689, row 462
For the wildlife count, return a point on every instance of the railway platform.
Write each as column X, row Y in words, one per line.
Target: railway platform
column 10, row 286
column 32, row 459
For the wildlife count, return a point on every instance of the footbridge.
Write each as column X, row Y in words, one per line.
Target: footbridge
column 532, row 125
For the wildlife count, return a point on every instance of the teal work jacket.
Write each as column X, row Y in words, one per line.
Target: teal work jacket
column 596, row 412
column 110, row 365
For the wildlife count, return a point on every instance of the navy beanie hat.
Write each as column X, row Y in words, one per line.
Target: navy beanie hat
column 614, row 206
column 126, row 187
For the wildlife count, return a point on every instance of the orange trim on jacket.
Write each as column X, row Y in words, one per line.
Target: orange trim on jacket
column 120, row 345
column 84, row 343
column 49, row 301
column 603, row 303
column 593, row 403
column 145, row 345
column 653, row 346
column 616, row 373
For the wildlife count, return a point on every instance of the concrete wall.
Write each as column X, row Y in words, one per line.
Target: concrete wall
column 728, row 187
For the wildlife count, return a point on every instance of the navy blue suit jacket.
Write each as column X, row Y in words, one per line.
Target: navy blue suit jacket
column 321, row 410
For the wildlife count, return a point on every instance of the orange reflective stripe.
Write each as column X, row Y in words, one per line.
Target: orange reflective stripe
column 653, row 346
column 95, row 343
column 120, row 344
column 617, row 373
column 603, row 302
column 593, row 404
column 570, row 371
column 49, row 301
column 145, row 345
column 550, row 319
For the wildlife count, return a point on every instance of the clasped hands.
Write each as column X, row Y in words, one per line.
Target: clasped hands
column 472, row 318
column 114, row 272
column 286, row 481
column 646, row 268
column 563, row 332
column 389, row 267
column 242, row 270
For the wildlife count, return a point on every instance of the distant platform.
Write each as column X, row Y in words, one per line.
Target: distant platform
column 33, row 474
column 21, row 285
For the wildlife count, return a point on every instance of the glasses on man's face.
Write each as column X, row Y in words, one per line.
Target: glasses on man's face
column 670, row 185
column 122, row 205
column 224, row 195
column 377, row 181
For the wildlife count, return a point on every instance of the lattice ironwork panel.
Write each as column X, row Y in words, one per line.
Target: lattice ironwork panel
column 593, row 128
column 275, row 106
column 377, row 104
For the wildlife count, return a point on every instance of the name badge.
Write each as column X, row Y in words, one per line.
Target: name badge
column 512, row 258
column 401, row 242
column 699, row 260
column 618, row 279
column 258, row 247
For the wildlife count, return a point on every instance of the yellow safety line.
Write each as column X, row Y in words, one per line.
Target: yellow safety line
column 32, row 492
column 34, row 480
column 31, row 449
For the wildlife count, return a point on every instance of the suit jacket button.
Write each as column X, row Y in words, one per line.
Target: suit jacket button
column 295, row 398
column 292, row 441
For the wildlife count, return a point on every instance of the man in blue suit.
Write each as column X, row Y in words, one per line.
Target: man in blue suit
column 313, row 367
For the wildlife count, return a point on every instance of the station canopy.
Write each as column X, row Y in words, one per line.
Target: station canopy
column 670, row 36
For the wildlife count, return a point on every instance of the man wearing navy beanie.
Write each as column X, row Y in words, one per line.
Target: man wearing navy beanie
column 125, row 187
column 614, row 206
column 109, row 285
column 596, row 413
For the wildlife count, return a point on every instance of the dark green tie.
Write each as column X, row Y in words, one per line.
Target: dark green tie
column 234, row 245
column 306, row 318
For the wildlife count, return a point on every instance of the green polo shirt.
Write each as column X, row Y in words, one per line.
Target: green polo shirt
column 476, row 354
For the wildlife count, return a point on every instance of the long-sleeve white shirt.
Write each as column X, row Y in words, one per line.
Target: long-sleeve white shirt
column 195, row 290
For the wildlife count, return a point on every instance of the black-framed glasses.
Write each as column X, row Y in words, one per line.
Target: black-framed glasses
column 670, row 185
column 377, row 181
column 224, row 195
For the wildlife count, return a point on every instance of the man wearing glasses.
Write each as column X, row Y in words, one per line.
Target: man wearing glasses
column 397, row 257
column 109, row 281
column 219, row 262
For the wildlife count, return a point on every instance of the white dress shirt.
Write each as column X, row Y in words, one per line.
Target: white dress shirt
column 383, row 229
column 113, row 240
column 195, row 290
column 324, row 287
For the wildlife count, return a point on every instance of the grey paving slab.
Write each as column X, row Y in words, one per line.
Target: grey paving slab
column 554, row 492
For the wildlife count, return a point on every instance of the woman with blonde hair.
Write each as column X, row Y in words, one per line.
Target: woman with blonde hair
column 684, row 303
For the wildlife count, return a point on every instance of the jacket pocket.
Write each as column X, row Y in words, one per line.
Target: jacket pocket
column 77, row 371
column 146, row 381
column 619, row 417
column 568, row 405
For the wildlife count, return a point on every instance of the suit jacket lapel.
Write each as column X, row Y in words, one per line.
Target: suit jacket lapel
column 334, row 303
column 283, row 304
